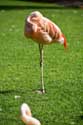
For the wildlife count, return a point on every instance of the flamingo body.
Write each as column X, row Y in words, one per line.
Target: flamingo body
column 43, row 30
column 26, row 115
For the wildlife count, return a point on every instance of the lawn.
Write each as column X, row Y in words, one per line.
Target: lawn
column 19, row 66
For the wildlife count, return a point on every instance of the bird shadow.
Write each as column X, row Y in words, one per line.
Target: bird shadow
column 11, row 91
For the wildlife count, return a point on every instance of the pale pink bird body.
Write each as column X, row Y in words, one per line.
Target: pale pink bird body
column 44, row 32
column 27, row 117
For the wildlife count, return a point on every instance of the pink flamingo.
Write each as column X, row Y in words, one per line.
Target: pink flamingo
column 43, row 31
column 27, row 117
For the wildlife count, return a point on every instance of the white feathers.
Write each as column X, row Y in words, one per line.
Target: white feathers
column 27, row 116
column 36, row 14
column 61, row 40
column 30, row 120
column 25, row 110
column 46, row 37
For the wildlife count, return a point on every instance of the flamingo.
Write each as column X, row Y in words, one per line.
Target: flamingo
column 44, row 32
column 26, row 116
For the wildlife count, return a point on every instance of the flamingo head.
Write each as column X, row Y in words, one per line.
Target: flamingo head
column 36, row 14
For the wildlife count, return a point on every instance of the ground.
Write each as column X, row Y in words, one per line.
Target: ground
column 19, row 66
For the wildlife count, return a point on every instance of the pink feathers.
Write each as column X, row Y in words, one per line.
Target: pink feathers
column 42, row 30
column 26, row 116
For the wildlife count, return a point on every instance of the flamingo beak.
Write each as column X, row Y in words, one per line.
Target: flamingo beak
column 65, row 41
column 65, row 44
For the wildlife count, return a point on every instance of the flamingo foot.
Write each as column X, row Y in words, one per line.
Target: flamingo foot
column 40, row 91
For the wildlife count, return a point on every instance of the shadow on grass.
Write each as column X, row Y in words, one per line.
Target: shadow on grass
column 10, row 7
column 12, row 91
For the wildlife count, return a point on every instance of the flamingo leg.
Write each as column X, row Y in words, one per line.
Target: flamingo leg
column 41, row 67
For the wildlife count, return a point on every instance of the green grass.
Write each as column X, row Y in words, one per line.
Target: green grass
column 20, row 74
